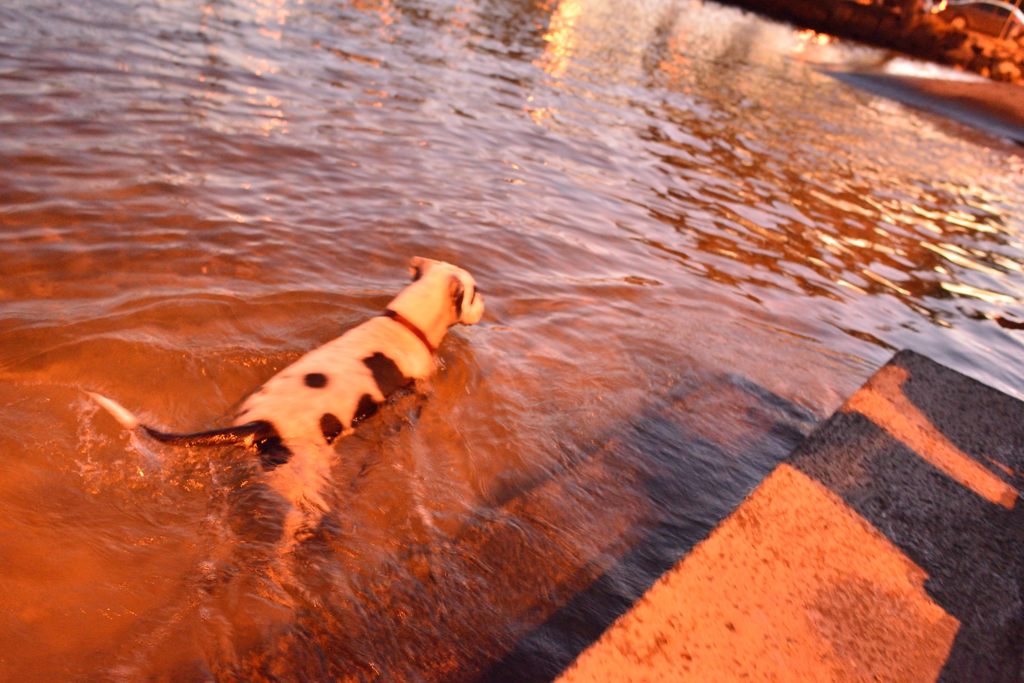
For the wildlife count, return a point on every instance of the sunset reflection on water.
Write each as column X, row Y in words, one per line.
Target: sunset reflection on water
column 688, row 235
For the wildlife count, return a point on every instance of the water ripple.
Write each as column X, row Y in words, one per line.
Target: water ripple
column 692, row 243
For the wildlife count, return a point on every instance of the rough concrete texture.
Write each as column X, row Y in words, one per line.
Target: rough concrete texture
column 970, row 544
column 793, row 586
column 888, row 547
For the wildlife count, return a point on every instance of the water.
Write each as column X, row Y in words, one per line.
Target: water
column 694, row 243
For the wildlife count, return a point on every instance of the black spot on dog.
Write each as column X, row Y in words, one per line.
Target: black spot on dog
column 386, row 374
column 457, row 296
column 269, row 446
column 316, row 380
column 330, row 427
column 273, row 453
column 366, row 408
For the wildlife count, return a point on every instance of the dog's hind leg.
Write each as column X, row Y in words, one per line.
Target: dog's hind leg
column 301, row 481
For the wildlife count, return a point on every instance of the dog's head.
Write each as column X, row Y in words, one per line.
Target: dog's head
column 463, row 296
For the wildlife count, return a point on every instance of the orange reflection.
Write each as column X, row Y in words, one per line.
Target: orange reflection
column 561, row 38
column 384, row 9
column 882, row 401
column 271, row 16
column 793, row 586
column 808, row 37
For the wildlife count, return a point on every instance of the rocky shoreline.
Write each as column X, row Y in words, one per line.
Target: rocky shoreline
column 926, row 37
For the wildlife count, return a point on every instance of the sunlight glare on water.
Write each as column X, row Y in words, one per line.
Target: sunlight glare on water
column 694, row 244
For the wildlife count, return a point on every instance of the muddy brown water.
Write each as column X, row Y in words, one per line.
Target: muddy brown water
column 678, row 219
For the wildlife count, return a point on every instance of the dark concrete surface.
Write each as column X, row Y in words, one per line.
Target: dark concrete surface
column 997, row 108
column 971, row 547
column 702, row 453
column 888, row 546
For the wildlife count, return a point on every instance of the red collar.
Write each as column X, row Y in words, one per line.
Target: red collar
column 407, row 324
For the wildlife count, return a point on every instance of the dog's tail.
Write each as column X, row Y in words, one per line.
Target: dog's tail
column 251, row 434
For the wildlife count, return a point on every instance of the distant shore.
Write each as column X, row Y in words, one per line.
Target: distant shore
column 927, row 37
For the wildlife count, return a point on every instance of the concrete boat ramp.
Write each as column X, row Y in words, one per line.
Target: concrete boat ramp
column 724, row 534
column 889, row 546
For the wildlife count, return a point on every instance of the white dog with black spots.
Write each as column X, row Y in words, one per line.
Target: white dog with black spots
column 292, row 421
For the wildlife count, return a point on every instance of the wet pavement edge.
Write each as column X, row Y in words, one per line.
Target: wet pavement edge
column 887, row 546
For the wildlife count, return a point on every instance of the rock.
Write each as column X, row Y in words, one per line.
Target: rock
column 888, row 30
column 925, row 41
column 1007, row 71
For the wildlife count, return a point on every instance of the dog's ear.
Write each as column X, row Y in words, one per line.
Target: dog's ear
column 458, row 293
column 416, row 265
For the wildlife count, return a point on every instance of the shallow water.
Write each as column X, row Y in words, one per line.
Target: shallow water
column 678, row 219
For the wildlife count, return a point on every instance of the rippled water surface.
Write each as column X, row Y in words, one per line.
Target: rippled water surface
column 694, row 243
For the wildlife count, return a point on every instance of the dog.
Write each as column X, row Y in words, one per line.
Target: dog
column 292, row 421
